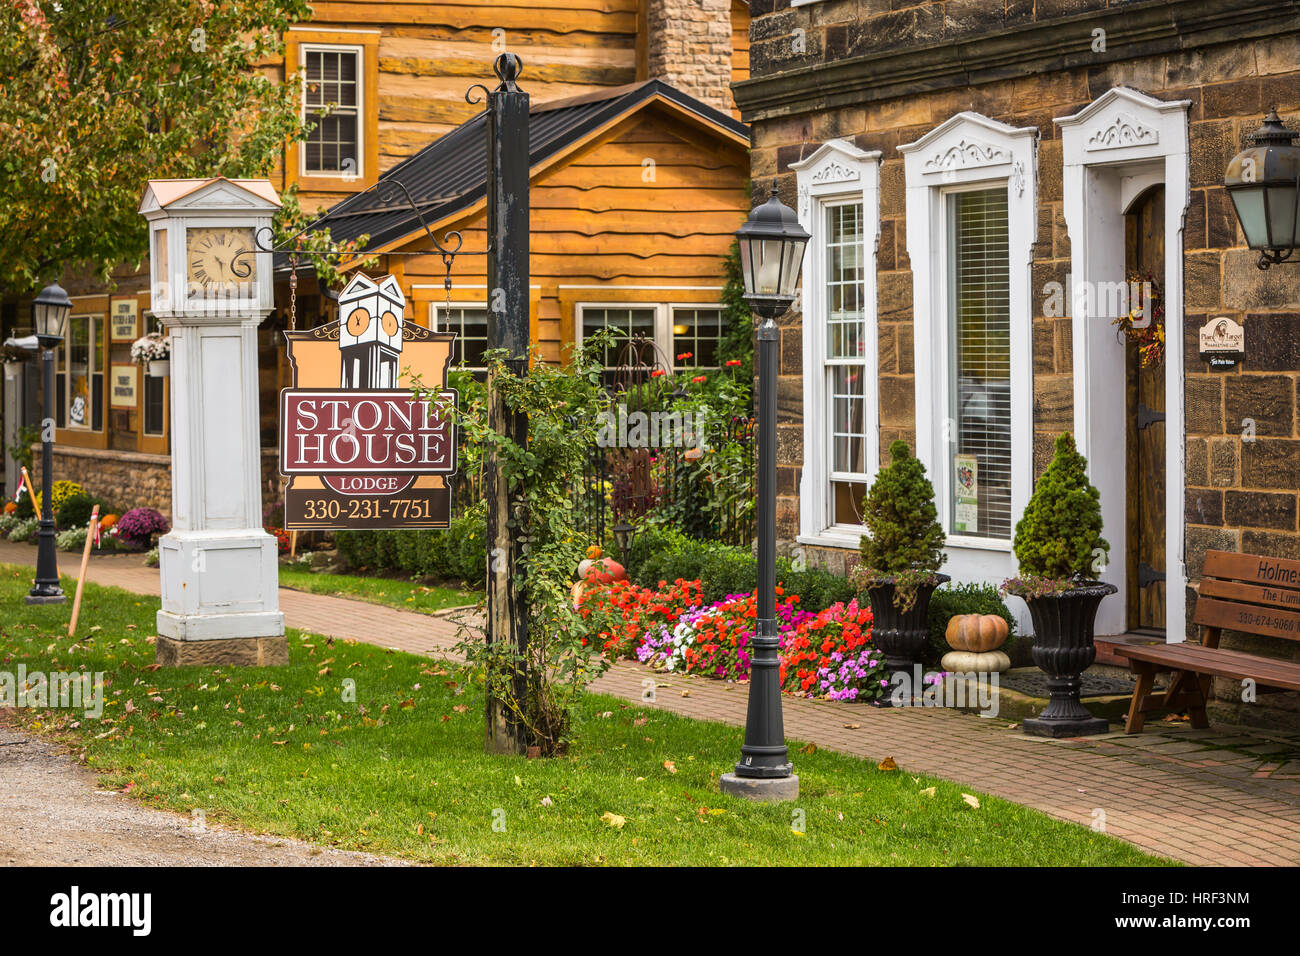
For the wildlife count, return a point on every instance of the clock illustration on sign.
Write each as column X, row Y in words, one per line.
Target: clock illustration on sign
column 358, row 322
column 210, row 254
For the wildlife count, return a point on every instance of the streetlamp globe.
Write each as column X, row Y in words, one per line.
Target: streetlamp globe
column 1264, row 183
column 771, row 244
column 49, row 313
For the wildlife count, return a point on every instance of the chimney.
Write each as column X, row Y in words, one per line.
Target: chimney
column 688, row 45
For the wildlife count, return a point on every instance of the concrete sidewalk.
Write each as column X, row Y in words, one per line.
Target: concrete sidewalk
column 1227, row 796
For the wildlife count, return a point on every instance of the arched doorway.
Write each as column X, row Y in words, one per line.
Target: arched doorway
column 1144, row 376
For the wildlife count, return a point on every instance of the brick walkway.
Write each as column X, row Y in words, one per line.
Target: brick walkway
column 1227, row 796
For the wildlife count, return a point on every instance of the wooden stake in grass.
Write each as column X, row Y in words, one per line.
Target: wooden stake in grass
column 85, row 559
column 31, row 492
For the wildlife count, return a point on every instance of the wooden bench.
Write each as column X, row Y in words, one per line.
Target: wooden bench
column 1239, row 592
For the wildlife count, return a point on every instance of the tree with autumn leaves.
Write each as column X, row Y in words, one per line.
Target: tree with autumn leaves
column 97, row 97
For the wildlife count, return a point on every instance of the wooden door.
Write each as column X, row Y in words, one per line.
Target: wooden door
column 1145, row 259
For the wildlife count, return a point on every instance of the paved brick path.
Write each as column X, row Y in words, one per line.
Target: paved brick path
column 1227, row 795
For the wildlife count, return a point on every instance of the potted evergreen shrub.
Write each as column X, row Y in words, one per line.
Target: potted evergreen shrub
column 901, row 555
column 1059, row 547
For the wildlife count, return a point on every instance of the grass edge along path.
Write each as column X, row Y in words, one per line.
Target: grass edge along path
column 400, row 593
column 399, row 770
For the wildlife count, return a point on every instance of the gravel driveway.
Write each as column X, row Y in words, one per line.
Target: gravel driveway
column 53, row 814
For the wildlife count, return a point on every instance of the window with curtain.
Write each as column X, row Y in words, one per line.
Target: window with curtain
column 845, row 370
column 979, row 412
column 332, row 100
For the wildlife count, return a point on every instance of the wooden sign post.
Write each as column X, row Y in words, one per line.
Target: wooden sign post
column 507, row 328
column 81, row 575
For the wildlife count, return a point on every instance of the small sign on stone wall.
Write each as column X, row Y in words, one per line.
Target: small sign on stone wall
column 1223, row 342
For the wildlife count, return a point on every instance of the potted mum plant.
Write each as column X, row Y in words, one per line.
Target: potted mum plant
column 154, row 352
column 901, row 555
column 1059, row 547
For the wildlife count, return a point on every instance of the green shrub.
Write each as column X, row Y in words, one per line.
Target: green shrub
column 457, row 554
column 75, row 510
column 25, row 507
column 949, row 601
column 1059, row 535
column 901, row 519
column 662, row 554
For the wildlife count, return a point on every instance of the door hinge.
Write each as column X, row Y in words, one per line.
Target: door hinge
column 1147, row 417
column 1148, row 575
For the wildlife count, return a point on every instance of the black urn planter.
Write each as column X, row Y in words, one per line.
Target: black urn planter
column 901, row 635
column 1063, row 649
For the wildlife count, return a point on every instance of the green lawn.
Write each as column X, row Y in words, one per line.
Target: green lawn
column 395, row 592
column 401, row 770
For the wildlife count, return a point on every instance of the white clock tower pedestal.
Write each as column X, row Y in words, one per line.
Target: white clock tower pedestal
column 220, row 603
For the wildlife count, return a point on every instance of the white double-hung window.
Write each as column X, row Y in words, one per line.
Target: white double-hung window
column 971, row 223
column 839, row 188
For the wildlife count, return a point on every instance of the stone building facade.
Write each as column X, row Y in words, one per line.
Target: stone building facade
column 972, row 171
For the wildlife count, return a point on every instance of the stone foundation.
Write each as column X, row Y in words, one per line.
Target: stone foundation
column 128, row 479
column 229, row 652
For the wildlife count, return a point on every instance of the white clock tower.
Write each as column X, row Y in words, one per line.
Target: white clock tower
column 211, row 289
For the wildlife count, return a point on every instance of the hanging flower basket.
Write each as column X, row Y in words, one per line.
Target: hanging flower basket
column 160, row 368
column 151, row 348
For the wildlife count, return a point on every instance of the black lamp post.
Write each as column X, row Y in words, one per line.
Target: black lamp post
column 49, row 312
column 1264, row 183
column 771, row 250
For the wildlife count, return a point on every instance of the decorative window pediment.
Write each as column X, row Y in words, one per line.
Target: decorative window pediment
column 1125, row 125
column 969, row 146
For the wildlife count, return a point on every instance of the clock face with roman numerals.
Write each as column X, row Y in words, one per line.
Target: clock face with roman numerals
column 210, row 262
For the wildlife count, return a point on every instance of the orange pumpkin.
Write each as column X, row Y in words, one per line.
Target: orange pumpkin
column 106, row 522
column 976, row 632
column 10, row 507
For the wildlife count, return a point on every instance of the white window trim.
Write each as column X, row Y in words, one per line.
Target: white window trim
column 835, row 174
column 663, row 326
column 437, row 308
column 970, row 151
column 1112, row 150
column 362, row 94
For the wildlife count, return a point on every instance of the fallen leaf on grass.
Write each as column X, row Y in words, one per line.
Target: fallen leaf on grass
column 407, row 704
column 852, row 726
column 972, row 800
column 670, row 766
column 928, row 791
column 460, row 708
column 613, row 820
column 808, row 749
column 887, row 764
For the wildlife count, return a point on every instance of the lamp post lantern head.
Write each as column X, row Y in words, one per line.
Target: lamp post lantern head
column 1264, row 183
column 49, row 312
column 772, row 245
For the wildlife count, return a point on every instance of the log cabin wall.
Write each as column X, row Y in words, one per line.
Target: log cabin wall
column 420, row 58
column 643, row 214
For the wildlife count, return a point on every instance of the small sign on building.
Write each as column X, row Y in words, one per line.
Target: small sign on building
column 124, row 319
column 1223, row 342
column 124, row 386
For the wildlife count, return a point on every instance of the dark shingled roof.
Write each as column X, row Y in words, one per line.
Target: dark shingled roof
column 450, row 174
